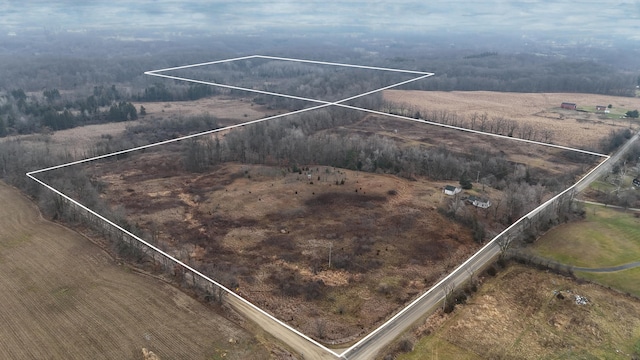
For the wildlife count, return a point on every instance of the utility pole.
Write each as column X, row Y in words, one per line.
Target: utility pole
column 330, row 246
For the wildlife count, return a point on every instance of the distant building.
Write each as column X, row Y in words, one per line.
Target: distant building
column 636, row 182
column 601, row 108
column 451, row 190
column 568, row 106
column 479, row 202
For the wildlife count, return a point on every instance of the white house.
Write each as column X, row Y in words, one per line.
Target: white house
column 451, row 190
column 478, row 202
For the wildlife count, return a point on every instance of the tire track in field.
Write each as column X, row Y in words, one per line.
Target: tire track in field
column 64, row 298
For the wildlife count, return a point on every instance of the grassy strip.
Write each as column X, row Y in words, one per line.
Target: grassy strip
column 627, row 281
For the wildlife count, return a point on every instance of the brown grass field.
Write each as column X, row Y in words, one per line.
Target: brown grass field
column 541, row 110
column 518, row 315
column 221, row 107
column 268, row 233
column 64, row 298
column 78, row 141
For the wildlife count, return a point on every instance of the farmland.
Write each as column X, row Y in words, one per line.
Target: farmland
column 342, row 247
column 331, row 251
column 540, row 111
column 63, row 297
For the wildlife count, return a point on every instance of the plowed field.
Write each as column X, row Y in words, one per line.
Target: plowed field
column 62, row 297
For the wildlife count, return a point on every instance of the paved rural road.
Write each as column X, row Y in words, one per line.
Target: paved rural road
column 609, row 165
column 295, row 342
column 370, row 347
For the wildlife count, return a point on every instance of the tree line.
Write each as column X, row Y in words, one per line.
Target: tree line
column 23, row 114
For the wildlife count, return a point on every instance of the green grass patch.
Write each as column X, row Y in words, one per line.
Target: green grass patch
column 607, row 237
column 627, row 281
column 602, row 186
column 433, row 347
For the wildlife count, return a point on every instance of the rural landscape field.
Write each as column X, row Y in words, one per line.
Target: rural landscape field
column 240, row 180
column 525, row 313
column 65, row 297
column 261, row 229
column 537, row 114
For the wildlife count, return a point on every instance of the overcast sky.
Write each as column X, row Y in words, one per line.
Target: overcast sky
column 591, row 18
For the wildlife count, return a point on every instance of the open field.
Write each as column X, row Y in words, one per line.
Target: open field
column 542, row 111
column 79, row 141
column 62, row 297
column 220, row 107
column 332, row 252
column 519, row 315
column 343, row 248
column 627, row 281
column 76, row 142
column 608, row 237
column 344, row 255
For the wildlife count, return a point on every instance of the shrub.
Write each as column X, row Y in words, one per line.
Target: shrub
column 491, row 271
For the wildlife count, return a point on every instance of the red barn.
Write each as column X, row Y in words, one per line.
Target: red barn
column 568, row 106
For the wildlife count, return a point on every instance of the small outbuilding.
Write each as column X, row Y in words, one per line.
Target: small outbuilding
column 601, row 108
column 451, row 190
column 479, row 202
column 636, row 182
column 569, row 106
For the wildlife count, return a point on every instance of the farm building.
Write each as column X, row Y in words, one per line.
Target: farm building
column 479, row 202
column 601, row 108
column 451, row 190
column 568, row 106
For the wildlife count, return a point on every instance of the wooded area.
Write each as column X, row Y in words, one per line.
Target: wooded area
column 99, row 80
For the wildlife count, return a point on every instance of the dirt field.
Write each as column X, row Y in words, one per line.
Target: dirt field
column 541, row 110
column 64, row 298
column 269, row 235
column 525, row 313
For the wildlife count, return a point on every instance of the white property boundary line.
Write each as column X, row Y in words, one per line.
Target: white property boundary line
column 322, row 104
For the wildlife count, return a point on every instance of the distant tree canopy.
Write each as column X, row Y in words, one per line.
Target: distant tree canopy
column 122, row 111
column 526, row 73
column 58, row 121
column 3, row 128
column 160, row 92
column 632, row 114
column 57, row 114
column 51, row 95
